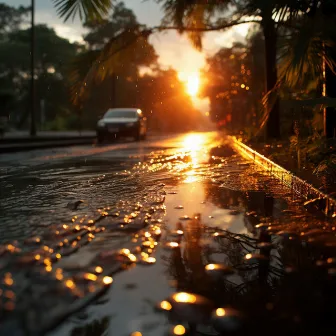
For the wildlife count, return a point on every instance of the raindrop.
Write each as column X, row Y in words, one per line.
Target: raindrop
column 172, row 245
column 331, row 261
column 179, row 207
column 179, row 330
column 262, row 226
column 191, row 307
column 217, row 270
column 176, row 233
column 265, row 245
column 220, row 234
column 255, row 257
column 312, row 233
column 165, row 305
column 287, row 234
column 149, row 260
column 227, row 320
column 185, row 217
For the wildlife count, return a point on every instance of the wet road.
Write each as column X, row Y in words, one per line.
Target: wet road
column 99, row 236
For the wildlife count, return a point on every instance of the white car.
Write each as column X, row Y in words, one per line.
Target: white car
column 118, row 122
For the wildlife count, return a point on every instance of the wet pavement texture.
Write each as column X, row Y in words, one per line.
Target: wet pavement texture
column 176, row 235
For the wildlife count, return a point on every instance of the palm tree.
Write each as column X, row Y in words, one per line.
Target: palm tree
column 196, row 16
column 305, row 48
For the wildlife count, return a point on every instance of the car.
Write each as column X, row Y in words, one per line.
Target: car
column 122, row 122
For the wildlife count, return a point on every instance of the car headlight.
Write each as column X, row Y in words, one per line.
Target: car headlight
column 101, row 123
column 130, row 124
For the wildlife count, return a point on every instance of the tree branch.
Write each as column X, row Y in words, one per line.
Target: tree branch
column 205, row 29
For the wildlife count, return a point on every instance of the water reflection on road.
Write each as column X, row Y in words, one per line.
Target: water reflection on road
column 177, row 236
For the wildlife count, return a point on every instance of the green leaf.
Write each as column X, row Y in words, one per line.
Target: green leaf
column 85, row 9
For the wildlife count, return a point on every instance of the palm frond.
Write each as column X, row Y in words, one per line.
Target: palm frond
column 78, row 70
column 196, row 19
column 303, row 53
column 85, row 9
column 192, row 16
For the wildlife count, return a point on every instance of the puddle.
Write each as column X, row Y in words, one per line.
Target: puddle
column 244, row 255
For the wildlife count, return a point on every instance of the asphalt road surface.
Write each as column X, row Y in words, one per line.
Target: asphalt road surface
column 93, row 238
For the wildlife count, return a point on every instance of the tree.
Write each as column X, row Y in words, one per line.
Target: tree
column 163, row 98
column 11, row 18
column 115, row 82
column 52, row 55
column 196, row 17
column 231, row 88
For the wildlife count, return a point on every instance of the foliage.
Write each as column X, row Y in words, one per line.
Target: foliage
column 235, row 84
column 123, row 71
column 327, row 167
column 162, row 96
column 92, row 9
column 115, row 47
column 11, row 18
column 52, row 54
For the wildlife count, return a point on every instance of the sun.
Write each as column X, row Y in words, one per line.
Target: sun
column 193, row 83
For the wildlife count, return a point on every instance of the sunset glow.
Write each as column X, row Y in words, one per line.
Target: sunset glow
column 192, row 84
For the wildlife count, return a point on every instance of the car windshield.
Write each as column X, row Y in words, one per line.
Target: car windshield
column 120, row 114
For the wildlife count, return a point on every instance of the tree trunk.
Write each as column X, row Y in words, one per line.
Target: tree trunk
column 329, row 90
column 330, row 112
column 270, row 35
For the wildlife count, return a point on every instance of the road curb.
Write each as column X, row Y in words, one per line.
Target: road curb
column 11, row 147
column 324, row 202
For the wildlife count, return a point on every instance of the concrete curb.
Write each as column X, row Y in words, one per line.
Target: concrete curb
column 43, row 143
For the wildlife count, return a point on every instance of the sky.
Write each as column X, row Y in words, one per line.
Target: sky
column 173, row 49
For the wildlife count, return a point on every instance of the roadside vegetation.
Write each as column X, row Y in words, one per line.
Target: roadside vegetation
column 134, row 78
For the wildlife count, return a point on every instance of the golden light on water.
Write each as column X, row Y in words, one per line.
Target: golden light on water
column 90, row 276
column 210, row 267
column 149, row 260
column 132, row 257
column 99, row 269
column 165, row 305
column 184, row 297
column 220, row 312
column 248, row 256
column 136, row 333
column 193, row 83
column 125, row 251
column 173, row 244
column 70, row 284
column 107, row 280
column 179, row 330
column 193, row 142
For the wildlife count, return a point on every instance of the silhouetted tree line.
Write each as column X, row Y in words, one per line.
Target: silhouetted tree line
column 134, row 78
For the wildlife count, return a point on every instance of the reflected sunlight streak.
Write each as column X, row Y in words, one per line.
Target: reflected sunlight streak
column 193, row 143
